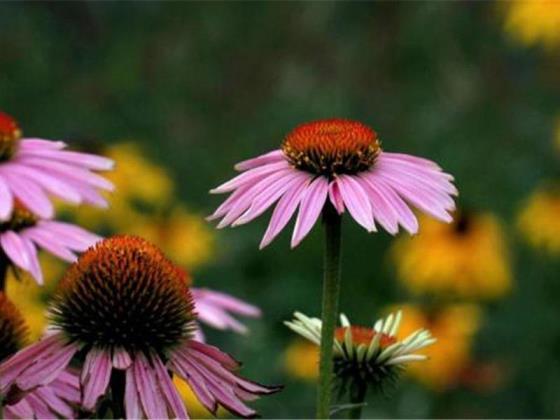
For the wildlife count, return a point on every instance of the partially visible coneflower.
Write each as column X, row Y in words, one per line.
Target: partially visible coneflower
column 327, row 167
column 24, row 233
column 216, row 309
column 366, row 357
column 124, row 307
column 56, row 399
column 31, row 169
column 468, row 258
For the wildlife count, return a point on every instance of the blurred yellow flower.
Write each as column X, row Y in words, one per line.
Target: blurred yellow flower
column 301, row 360
column 32, row 300
column 538, row 220
column 195, row 409
column 533, row 22
column 183, row 236
column 140, row 187
column 454, row 328
column 467, row 258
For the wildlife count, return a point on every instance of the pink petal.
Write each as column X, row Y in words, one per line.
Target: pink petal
column 49, row 183
column 336, row 198
column 31, row 195
column 95, row 379
column 121, row 359
column 169, row 391
column 196, row 382
column 250, row 176
column 270, row 157
column 356, row 201
column 71, row 236
column 15, row 249
column 78, row 159
column 232, row 200
column 131, row 399
column 215, row 353
column 6, row 200
column 269, row 195
column 148, row 390
column 49, row 242
column 226, row 301
column 34, row 267
column 36, row 143
column 310, row 208
column 284, row 210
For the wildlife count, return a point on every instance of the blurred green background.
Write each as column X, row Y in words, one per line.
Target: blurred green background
column 201, row 86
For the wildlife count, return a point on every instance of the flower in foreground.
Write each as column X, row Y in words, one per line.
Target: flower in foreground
column 366, row 356
column 31, row 169
column 56, row 399
column 538, row 220
column 24, row 233
column 124, row 307
column 339, row 161
column 467, row 258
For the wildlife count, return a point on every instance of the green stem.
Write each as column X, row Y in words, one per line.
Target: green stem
column 331, row 289
column 357, row 400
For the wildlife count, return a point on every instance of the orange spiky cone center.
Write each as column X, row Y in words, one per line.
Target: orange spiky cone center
column 12, row 328
column 363, row 335
column 123, row 292
column 332, row 146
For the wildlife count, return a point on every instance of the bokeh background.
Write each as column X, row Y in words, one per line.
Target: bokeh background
column 179, row 92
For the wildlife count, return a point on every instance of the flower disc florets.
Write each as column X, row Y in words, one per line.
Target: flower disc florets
column 10, row 133
column 21, row 218
column 12, row 328
column 124, row 292
column 332, row 146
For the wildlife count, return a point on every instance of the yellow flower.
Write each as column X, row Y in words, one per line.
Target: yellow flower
column 32, row 301
column 538, row 221
column 467, row 258
column 140, row 187
column 195, row 409
column 533, row 22
column 454, row 328
column 301, row 360
column 183, row 236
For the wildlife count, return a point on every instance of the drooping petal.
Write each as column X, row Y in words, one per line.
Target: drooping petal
column 310, row 208
column 250, row 176
column 132, row 404
column 121, row 359
column 13, row 246
column 356, row 200
column 174, row 402
column 148, row 389
column 95, row 379
column 34, row 266
column 6, row 200
column 49, row 242
column 336, row 198
column 284, row 210
column 31, row 195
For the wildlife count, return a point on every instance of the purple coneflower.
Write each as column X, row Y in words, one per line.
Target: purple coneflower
column 340, row 161
column 23, row 233
column 124, row 308
column 31, row 169
column 327, row 167
column 55, row 400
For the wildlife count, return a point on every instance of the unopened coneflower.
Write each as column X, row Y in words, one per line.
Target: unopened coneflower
column 23, row 233
column 366, row 357
column 327, row 167
column 31, row 169
column 124, row 308
column 58, row 399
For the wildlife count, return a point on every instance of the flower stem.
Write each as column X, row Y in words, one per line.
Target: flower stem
column 331, row 290
column 4, row 265
column 118, row 383
column 357, row 400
